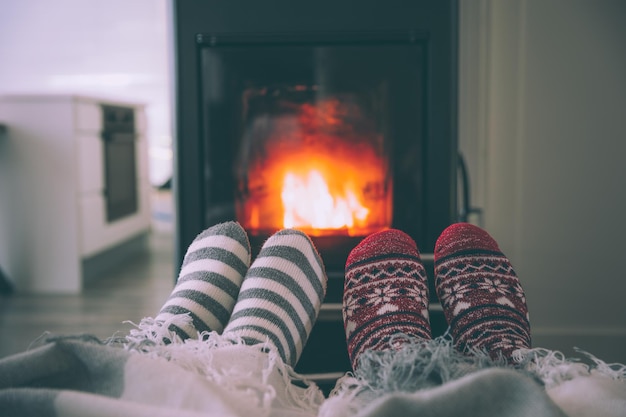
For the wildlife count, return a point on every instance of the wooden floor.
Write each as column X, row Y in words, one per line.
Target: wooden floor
column 134, row 289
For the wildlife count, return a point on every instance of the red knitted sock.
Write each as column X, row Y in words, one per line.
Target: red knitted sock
column 481, row 295
column 385, row 293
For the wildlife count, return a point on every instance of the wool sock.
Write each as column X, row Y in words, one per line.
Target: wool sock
column 281, row 295
column 481, row 295
column 209, row 280
column 385, row 293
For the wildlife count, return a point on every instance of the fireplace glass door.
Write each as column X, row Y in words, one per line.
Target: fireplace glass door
column 326, row 137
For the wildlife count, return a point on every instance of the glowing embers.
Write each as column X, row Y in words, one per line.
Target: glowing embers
column 321, row 168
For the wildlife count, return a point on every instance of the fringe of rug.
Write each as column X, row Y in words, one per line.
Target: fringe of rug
column 414, row 366
column 553, row 368
column 253, row 373
column 424, row 364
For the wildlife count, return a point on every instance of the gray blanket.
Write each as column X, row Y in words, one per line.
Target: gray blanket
column 80, row 376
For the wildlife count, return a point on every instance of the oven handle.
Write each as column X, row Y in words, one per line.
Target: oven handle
column 112, row 136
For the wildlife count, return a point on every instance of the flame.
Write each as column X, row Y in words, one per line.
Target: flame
column 308, row 202
column 318, row 168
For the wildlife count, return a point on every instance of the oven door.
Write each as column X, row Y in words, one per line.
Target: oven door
column 120, row 175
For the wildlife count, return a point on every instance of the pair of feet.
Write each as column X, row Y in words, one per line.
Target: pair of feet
column 274, row 300
column 277, row 298
column 386, row 293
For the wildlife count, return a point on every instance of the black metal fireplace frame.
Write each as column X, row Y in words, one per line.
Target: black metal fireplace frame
column 432, row 22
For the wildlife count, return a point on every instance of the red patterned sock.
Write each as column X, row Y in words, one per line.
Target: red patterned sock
column 385, row 293
column 481, row 295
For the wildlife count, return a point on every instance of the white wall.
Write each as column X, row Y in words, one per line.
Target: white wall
column 115, row 49
column 547, row 141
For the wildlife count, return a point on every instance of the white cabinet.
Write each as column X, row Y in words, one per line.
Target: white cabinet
column 53, row 192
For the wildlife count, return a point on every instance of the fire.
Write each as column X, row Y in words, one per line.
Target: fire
column 308, row 202
column 318, row 167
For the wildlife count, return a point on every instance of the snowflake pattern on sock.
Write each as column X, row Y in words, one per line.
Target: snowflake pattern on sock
column 482, row 298
column 385, row 293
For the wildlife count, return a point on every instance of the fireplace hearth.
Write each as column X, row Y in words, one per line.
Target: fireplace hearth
column 336, row 117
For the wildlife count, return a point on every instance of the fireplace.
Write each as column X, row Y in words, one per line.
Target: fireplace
column 313, row 159
column 337, row 118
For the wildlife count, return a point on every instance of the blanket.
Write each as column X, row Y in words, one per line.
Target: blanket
column 140, row 376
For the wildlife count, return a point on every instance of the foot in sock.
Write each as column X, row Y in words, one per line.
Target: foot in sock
column 209, row 280
column 281, row 295
column 385, row 293
column 481, row 295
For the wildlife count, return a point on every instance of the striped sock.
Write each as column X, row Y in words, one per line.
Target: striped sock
column 281, row 295
column 209, row 280
column 385, row 293
column 481, row 295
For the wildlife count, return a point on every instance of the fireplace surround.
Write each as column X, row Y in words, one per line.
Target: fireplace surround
column 354, row 102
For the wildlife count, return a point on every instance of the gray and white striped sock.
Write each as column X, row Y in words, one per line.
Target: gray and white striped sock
column 209, row 280
column 281, row 295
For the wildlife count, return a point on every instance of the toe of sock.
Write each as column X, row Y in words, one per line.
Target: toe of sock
column 385, row 242
column 231, row 229
column 300, row 242
column 291, row 237
column 461, row 237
